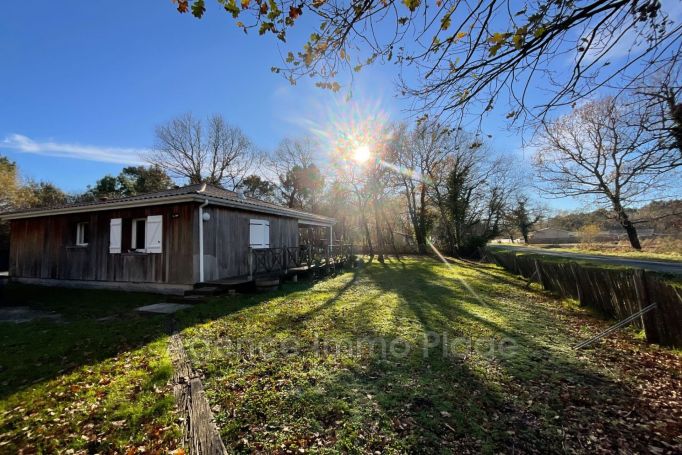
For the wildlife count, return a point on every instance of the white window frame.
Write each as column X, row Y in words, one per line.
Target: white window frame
column 133, row 237
column 80, row 233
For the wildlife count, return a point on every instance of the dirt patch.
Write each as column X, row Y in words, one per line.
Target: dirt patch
column 20, row 314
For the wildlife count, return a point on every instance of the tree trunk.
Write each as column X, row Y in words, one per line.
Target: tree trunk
column 421, row 240
column 628, row 226
column 368, row 237
column 525, row 237
column 421, row 232
column 377, row 223
column 632, row 235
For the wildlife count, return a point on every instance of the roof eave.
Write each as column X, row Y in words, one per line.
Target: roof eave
column 98, row 207
column 194, row 197
column 301, row 216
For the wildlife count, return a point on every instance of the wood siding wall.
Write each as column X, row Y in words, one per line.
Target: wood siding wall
column 226, row 240
column 46, row 248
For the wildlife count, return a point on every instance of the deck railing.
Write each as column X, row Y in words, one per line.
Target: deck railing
column 270, row 261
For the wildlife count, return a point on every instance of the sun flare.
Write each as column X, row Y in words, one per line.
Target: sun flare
column 362, row 154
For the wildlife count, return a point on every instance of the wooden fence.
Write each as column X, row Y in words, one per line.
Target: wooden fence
column 617, row 293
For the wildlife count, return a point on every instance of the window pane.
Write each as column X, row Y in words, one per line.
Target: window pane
column 139, row 234
column 86, row 233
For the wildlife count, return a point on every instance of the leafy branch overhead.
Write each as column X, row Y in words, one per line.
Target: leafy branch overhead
column 461, row 54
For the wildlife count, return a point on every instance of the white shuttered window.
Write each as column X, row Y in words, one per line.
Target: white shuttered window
column 259, row 234
column 115, row 235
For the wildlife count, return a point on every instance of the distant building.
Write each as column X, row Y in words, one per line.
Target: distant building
column 552, row 235
column 620, row 234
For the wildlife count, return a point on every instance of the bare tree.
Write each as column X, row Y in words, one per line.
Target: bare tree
column 299, row 180
column 470, row 187
column 417, row 154
column 459, row 54
column 657, row 102
column 522, row 216
column 598, row 152
column 218, row 153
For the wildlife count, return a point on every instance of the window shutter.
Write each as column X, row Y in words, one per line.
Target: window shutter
column 115, row 235
column 154, row 234
column 256, row 234
column 266, row 234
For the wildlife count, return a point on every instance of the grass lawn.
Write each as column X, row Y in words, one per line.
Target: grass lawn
column 95, row 380
column 607, row 250
column 303, row 369
column 672, row 256
column 356, row 363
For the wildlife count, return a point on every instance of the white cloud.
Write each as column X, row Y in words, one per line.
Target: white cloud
column 21, row 143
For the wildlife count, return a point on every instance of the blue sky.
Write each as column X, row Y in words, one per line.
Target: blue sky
column 78, row 74
column 91, row 80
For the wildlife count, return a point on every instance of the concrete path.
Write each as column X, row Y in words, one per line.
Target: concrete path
column 655, row 266
column 162, row 308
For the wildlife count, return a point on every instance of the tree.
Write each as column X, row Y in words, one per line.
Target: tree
column 40, row 195
column 523, row 218
column 469, row 55
column 657, row 102
column 417, row 153
column 470, row 188
column 300, row 180
column 9, row 184
column 130, row 181
column 140, row 179
column 15, row 194
column 256, row 187
column 588, row 233
column 599, row 152
column 215, row 153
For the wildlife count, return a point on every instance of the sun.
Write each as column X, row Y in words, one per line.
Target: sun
column 362, row 154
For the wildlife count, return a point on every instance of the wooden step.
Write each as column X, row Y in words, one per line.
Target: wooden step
column 266, row 282
column 194, row 298
column 205, row 290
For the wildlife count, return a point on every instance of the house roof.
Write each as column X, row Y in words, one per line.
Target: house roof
column 190, row 193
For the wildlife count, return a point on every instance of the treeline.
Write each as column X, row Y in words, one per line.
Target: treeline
column 395, row 188
column 18, row 193
column 664, row 217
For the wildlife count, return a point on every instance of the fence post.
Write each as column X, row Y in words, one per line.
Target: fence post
column 285, row 263
column 648, row 319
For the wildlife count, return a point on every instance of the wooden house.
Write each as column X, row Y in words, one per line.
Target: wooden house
column 161, row 242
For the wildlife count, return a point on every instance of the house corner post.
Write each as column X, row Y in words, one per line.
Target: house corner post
column 250, row 262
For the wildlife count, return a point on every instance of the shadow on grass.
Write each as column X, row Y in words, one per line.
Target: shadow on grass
column 359, row 398
column 366, row 400
column 528, row 418
column 93, row 325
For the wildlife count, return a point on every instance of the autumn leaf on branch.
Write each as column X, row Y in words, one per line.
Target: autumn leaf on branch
column 198, row 9
column 412, row 4
column 295, row 12
column 183, row 6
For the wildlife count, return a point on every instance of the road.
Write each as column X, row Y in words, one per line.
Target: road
column 655, row 266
